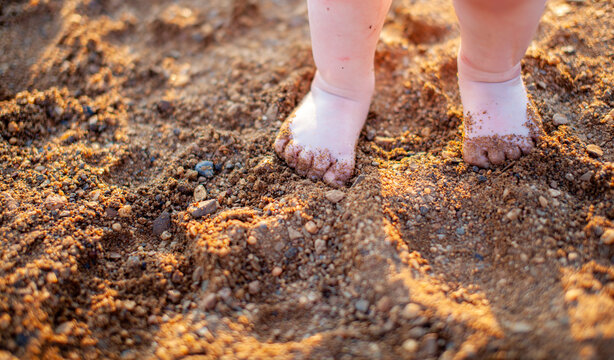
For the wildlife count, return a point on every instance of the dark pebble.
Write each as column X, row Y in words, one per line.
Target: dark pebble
column 475, row 169
column 205, row 168
column 22, row 339
column 162, row 223
column 164, row 106
column 203, row 208
column 291, row 253
column 88, row 111
column 478, row 256
column 482, row 178
column 424, row 210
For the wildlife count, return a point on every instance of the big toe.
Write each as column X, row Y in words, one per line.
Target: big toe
column 339, row 173
column 496, row 156
column 283, row 138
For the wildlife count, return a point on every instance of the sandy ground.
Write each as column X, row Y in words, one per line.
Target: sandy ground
column 112, row 245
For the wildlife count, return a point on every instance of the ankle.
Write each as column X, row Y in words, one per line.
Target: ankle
column 357, row 90
column 469, row 71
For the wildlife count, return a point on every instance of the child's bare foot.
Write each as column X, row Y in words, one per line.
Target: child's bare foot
column 319, row 138
column 500, row 122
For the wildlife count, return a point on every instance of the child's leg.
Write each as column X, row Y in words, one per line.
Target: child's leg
column 495, row 35
column 319, row 138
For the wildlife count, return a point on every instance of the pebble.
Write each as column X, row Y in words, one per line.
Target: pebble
column 55, row 202
column 200, row 193
column 209, row 301
column 252, row 240
column 594, row 150
column 205, row 168
column 410, row 345
column 276, row 271
column 129, row 305
column 560, row 119
column 294, row 234
column 542, row 201
column 13, row 127
column 254, row 287
column 334, row 196
column 411, row 311
column 520, row 327
column 198, row 273
column 52, row 278
column 174, row 296
column 608, row 237
column 177, row 277
column 573, row 256
column 587, row 176
column 384, row 304
column 320, row 246
column 133, row 261
column 362, row 305
column 125, row 211
column 116, row 227
column 460, row 231
column 162, row 223
column 429, row 344
column 554, row 193
column 166, row 235
column 13, row 141
column 114, row 256
column 291, row 253
column 573, row 294
column 203, row 208
column 311, row 227
column 513, row 214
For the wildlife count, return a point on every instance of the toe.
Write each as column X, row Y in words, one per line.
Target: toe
column 320, row 164
column 496, row 156
column 291, row 153
column 513, row 152
column 475, row 155
column 339, row 173
column 283, row 137
column 304, row 161
column 526, row 145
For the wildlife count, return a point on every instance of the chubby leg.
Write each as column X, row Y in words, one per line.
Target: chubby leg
column 500, row 121
column 319, row 138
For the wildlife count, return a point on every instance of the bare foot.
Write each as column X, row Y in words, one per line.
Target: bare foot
column 500, row 123
column 319, row 138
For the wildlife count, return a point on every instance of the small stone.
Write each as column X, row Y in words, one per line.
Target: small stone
column 252, row 240
column 429, row 344
column 114, row 256
column 276, row 271
column 52, row 278
column 573, row 256
column 608, row 237
column 513, row 214
column 166, row 235
column 13, row 127
column 573, row 294
column 410, row 345
column 205, row 168
column 560, row 119
column 5, row 321
column 362, row 305
column 198, row 273
column 177, row 277
column 129, row 305
column 133, row 261
column 594, row 150
column 294, row 234
column 162, row 223
column 209, row 301
column 174, row 296
column 125, row 211
column 311, row 227
column 13, row 141
column 64, row 328
column 203, row 208
column 524, row 257
column 266, row 165
column 520, row 327
column 320, row 246
column 254, row 287
column 460, row 231
column 554, row 193
column 587, row 176
column 411, row 311
column 116, row 227
column 334, row 196
column 542, row 201
column 55, row 202
column 384, row 304
column 200, row 193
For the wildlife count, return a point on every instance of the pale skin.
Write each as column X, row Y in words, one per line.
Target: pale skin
column 319, row 138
